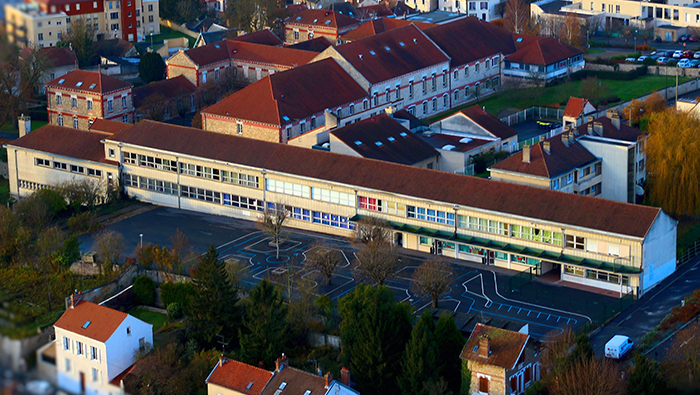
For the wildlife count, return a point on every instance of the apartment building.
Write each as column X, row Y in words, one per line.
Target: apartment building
column 310, row 24
column 77, row 98
column 94, row 345
column 283, row 106
column 487, row 10
column 42, row 22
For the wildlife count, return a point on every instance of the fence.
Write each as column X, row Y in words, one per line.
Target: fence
column 516, row 282
column 536, row 139
column 467, row 170
column 321, row 339
column 533, row 113
column 689, row 253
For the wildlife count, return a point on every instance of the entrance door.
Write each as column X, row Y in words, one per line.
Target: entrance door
column 490, row 257
column 398, row 239
column 82, row 382
column 437, row 247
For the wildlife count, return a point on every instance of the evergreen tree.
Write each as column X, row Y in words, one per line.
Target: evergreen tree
column 213, row 308
column 450, row 343
column 420, row 358
column 151, row 67
column 265, row 329
column 645, row 378
column 374, row 332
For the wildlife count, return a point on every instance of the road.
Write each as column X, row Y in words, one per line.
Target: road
column 476, row 293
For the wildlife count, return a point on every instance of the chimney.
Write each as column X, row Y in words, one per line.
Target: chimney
column 222, row 360
column 328, row 378
column 542, row 138
column 590, row 128
column 345, row 376
column 545, row 146
column 565, row 139
column 72, row 304
column 281, row 363
column 75, row 298
column 598, row 127
column 526, row 153
column 611, row 112
column 484, row 350
column 572, row 140
column 390, row 110
column 331, row 121
column 590, row 118
column 614, row 119
column 25, row 125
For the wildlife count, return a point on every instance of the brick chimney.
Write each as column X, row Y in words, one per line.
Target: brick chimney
column 25, row 125
column 572, row 140
column 75, row 298
column 222, row 360
column 526, row 153
column 281, row 363
column 328, row 378
column 484, row 346
column 546, row 147
column 598, row 127
column 565, row 139
column 345, row 376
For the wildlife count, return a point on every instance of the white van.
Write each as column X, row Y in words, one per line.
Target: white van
column 618, row 346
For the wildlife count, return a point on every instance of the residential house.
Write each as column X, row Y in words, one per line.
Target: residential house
column 401, row 67
column 52, row 155
column 79, row 97
column 576, row 111
column 381, row 137
column 379, row 25
column 475, row 69
column 60, row 62
column 541, row 59
column 94, row 345
column 230, row 377
column 474, row 122
column 310, row 24
column 376, row 11
column 284, row 105
column 239, row 62
column 42, row 22
column 172, row 96
column 500, row 361
column 456, row 150
column 487, row 10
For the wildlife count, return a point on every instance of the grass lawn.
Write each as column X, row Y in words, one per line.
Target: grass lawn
column 593, row 50
column 688, row 232
column 166, row 33
column 158, row 320
column 9, row 128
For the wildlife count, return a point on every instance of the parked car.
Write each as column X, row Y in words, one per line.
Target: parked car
column 618, row 346
column 662, row 60
column 668, row 54
column 687, row 37
column 677, row 54
column 630, row 60
column 694, row 62
column 684, row 63
column 688, row 54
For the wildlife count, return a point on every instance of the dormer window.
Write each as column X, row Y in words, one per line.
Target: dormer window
column 92, row 86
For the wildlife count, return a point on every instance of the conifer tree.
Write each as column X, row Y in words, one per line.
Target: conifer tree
column 450, row 343
column 264, row 329
column 420, row 358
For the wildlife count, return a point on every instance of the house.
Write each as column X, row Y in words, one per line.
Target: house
column 576, row 111
column 370, row 12
column 401, row 67
column 437, row 17
column 500, row 361
column 318, row 44
column 53, row 155
column 42, row 22
column 79, row 97
column 475, row 69
column 175, row 96
column 95, row 345
column 60, row 62
column 382, row 137
column 540, row 59
column 264, row 37
column 488, row 10
column 310, row 24
column 456, row 150
column 115, row 47
column 474, row 122
column 232, row 60
column 230, row 377
column 379, row 25
column 284, row 105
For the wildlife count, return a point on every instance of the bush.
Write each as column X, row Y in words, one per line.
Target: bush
column 83, row 222
column 174, row 311
column 68, row 253
column 177, row 293
column 144, row 291
column 610, row 75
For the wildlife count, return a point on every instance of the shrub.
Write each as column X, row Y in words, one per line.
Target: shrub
column 144, row 291
column 178, row 293
column 68, row 253
column 83, row 222
column 174, row 311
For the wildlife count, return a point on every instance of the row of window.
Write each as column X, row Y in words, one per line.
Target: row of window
column 96, row 373
column 430, row 215
column 322, row 194
column 596, row 275
column 79, row 348
column 74, row 102
column 67, row 167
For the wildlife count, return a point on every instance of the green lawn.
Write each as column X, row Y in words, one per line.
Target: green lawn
column 166, row 33
column 158, row 320
column 9, row 128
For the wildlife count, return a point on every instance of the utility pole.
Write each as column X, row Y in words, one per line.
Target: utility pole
column 222, row 343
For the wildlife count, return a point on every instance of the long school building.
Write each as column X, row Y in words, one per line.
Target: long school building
column 600, row 243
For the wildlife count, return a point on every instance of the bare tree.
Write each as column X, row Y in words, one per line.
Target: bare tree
column 182, row 251
column 570, row 30
column 589, row 376
column 517, row 18
column 682, row 363
column 109, row 246
column 325, row 259
column 272, row 223
column 557, row 347
column 154, row 107
column 377, row 261
column 80, row 37
column 433, row 277
column 87, row 193
column 370, row 229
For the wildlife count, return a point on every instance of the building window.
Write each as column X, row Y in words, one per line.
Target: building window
column 302, row 126
column 555, row 184
column 59, row 100
column 575, row 242
column 434, row 101
column 466, row 71
column 350, row 111
column 484, row 384
column 444, row 78
column 434, row 84
column 425, row 85
column 445, row 100
column 66, row 343
column 150, row 8
column 93, row 352
column 368, row 203
column 74, row 102
column 60, row 120
column 425, row 107
column 216, row 75
column 89, row 105
column 125, row 118
column 123, row 102
column 128, row 330
column 110, row 105
column 79, row 348
column 75, row 122
column 365, row 104
column 67, row 365
column 95, row 375
column 113, row 15
column 456, row 94
column 296, row 34
column 476, row 68
column 204, row 76
column 410, row 89
column 150, row 18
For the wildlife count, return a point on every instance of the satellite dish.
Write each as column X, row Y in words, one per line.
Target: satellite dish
column 639, row 190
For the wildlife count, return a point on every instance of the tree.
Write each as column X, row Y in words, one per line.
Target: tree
column 637, row 109
column 517, row 18
column 645, row 378
column 13, row 235
column 19, row 77
column 433, row 277
column 370, row 229
column 654, row 103
column 144, row 290
column 33, row 64
column 213, row 309
column 608, row 30
column 49, row 242
column 251, row 15
column 682, row 363
column 634, row 111
column 376, row 261
column 272, row 224
column 325, row 259
column 450, row 342
column 673, row 162
column 152, row 66
column 264, row 329
column 570, row 30
column 647, row 34
column 109, row 246
column 188, row 10
column 420, row 358
column 80, row 37
column 83, row 193
column 589, row 376
column 154, row 107
column 374, row 331
column 555, row 356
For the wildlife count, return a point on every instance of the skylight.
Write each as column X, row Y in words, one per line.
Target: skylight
column 402, row 44
column 217, row 46
column 391, row 139
column 284, row 384
column 358, row 142
column 286, row 118
column 520, row 39
column 403, row 134
column 61, row 81
column 79, row 84
column 298, row 18
column 308, row 392
column 92, row 86
column 475, row 348
column 249, row 386
column 315, row 20
column 387, row 48
column 86, row 324
column 378, row 143
column 372, row 53
column 328, row 22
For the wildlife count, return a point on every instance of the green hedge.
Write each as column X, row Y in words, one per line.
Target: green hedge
column 144, row 291
column 176, row 293
column 610, row 75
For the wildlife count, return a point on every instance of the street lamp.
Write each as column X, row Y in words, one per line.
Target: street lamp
column 141, row 236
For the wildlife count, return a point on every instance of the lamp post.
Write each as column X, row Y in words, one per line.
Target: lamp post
column 141, row 236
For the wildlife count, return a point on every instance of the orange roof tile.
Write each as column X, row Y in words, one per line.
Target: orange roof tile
column 489, row 122
column 543, row 52
column 574, row 107
column 88, row 81
column 69, row 142
column 240, row 377
column 320, row 18
column 109, row 127
column 381, row 25
column 298, row 382
column 103, row 320
column 505, row 346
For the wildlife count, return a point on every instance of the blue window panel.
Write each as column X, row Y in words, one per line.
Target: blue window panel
column 317, row 217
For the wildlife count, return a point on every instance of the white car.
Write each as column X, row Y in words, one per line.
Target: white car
column 641, row 59
column 696, row 55
column 630, row 60
column 618, row 346
column 684, row 63
column 678, row 54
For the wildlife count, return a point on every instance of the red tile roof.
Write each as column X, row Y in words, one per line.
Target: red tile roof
column 245, row 51
column 562, row 159
column 321, row 18
column 544, row 51
column 397, row 144
column 208, row 54
column 318, row 44
column 374, row 11
column 58, row 140
column 505, row 346
column 109, row 127
column 489, row 122
column 169, row 88
column 103, row 320
column 237, row 376
column 57, row 57
column 409, row 50
column 88, row 81
column 506, row 198
column 296, row 94
column 625, row 133
column 264, row 37
column 574, row 107
column 485, row 40
column 381, row 25
column 298, row 382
